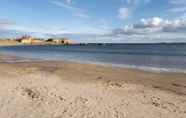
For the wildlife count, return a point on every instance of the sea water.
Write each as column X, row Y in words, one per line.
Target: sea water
column 153, row 57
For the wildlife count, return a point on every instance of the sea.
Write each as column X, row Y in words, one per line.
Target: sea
column 160, row 57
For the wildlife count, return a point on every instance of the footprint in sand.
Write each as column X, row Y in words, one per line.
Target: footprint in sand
column 166, row 105
column 33, row 94
column 112, row 84
column 81, row 100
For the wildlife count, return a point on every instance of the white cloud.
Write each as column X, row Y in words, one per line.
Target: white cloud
column 130, row 7
column 150, row 30
column 178, row 2
column 154, row 25
column 152, row 22
column 39, row 30
column 178, row 7
column 123, row 13
column 82, row 15
column 136, row 2
column 68, row 1
column 64, row 5
column 67, row 5
column 5, row 23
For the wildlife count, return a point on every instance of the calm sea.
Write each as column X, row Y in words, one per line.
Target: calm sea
column 152, row 57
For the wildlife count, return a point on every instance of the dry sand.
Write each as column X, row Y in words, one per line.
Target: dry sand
column 8, row 42
column 47, row 89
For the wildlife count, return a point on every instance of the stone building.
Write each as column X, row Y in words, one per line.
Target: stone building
column 29, row 40
column 63, row 41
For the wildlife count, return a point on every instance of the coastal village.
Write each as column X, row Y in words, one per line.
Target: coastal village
column 28, row 40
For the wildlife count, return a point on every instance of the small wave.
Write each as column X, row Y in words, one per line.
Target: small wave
column 153, row 69
column 37, row 56
column 145, row 68
column 16, row 61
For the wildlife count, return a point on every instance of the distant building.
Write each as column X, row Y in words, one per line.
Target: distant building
column 29, row 40
column 62, row 41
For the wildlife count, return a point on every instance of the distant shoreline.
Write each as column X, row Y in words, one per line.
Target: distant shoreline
column 15, row 43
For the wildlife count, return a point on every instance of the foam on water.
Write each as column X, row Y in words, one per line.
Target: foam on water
column 144, row 68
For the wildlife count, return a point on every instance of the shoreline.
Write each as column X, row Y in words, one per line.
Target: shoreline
column 109, row 65
column 157, row 66
column 12, row 60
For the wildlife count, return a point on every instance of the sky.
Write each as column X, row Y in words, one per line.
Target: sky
column 110, row 21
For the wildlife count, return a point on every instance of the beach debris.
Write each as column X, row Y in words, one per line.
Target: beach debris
column 33, row 94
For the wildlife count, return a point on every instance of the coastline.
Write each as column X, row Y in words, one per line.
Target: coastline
column 147, row 62
column 56, row 89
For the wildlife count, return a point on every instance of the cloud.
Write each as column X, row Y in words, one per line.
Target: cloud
column 123, row 13
column 178, row 2
column 172, row 26
column 130, row 7
column 82, row 15
column 67, row 5
column 14, row 31
column 136, row 2
column 64, row 5
column 178, row 7
column 4, row 23
column 68, row 1
column 151, row 22
column 38, row 29
column 175, row 26
column 153, row 25
column 150, row 30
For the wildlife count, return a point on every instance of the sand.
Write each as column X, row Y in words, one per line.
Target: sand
column 8, row 42
column 58, row 89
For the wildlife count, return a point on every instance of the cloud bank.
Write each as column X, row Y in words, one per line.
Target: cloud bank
column 5, row 23
column 153, row 25
column 150, row 30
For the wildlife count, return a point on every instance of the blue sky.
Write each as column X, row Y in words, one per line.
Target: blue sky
column 96, row 20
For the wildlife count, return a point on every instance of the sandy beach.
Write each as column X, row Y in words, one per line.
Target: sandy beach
column 59, row 89
column 8, row 43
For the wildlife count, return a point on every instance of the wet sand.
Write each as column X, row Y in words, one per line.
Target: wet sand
column 60, row 89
